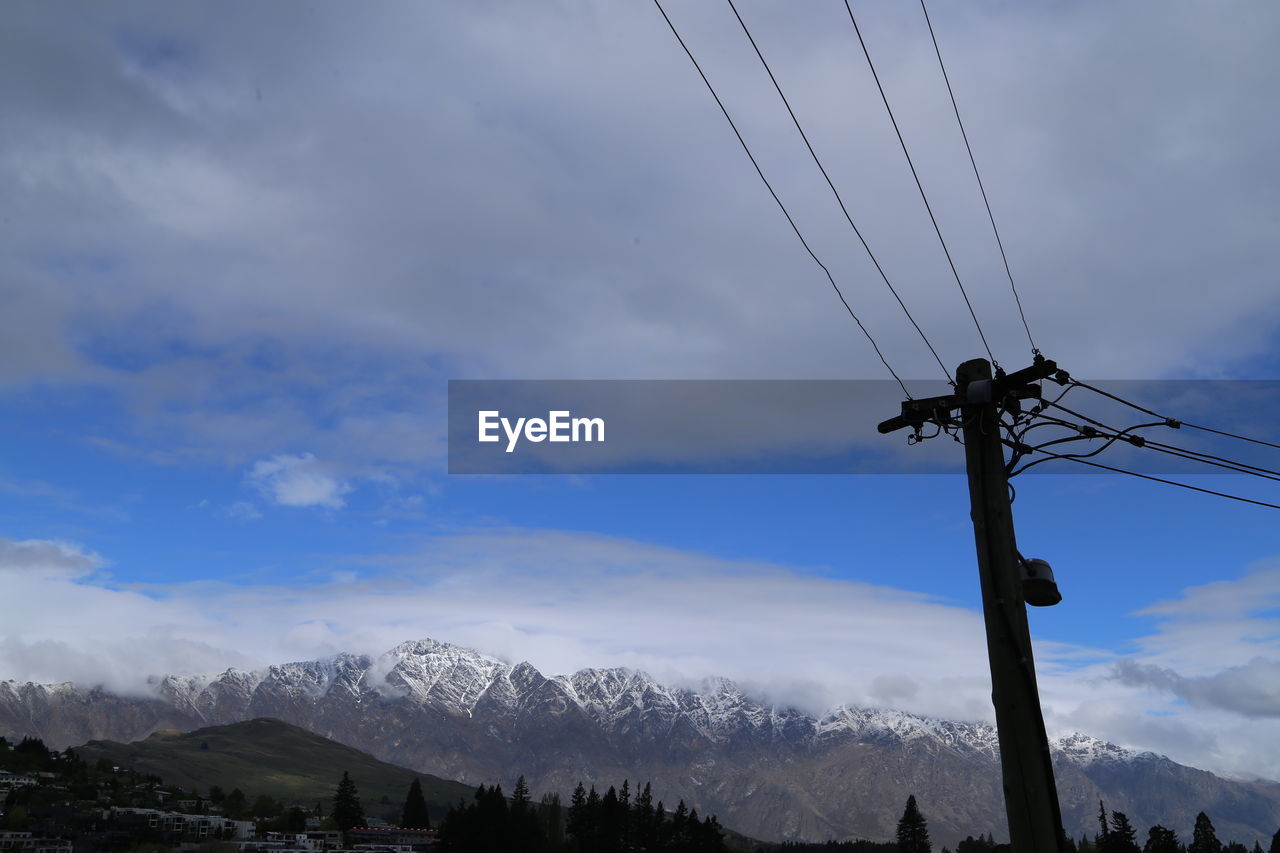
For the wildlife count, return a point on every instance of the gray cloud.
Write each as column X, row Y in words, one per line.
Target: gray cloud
column 260, row 227
column 1252, row 689
column 45, row 558
column 196, row 206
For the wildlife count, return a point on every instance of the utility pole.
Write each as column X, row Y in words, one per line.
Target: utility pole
column 1030, row 792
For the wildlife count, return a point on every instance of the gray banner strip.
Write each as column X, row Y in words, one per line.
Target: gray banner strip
column 812, row 427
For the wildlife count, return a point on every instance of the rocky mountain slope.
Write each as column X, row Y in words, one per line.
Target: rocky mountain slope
column 770, row 772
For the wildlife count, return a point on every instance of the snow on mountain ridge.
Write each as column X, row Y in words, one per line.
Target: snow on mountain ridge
column 1084, row 749
column 619, row 700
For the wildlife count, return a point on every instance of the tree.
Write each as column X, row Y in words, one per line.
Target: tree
column 1122, row 838
column 347, row 811
column 236, row 805
column 1203, row 838
column 552, row 821
column 293, row 820
column 414, row 814
column 266, row 806
column 1161, row 840
column 1275, row 843
column 913, row 832
column 973, row 845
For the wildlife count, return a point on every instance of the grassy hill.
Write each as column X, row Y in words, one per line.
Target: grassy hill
column 267, row 756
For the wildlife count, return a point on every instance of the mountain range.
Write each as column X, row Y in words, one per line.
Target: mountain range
column 773, row 773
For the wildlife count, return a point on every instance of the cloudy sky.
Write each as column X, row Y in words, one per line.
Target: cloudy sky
column 243, row 248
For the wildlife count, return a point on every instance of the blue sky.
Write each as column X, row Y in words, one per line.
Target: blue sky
column 239, row 270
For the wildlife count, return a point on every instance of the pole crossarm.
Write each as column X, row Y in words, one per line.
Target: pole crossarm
column 1018, row 385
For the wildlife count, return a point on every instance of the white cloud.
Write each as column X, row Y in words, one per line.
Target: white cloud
column 564, row 601
column 243, row 510
column 299, row 481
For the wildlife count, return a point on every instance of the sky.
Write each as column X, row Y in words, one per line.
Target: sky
column 245, row 247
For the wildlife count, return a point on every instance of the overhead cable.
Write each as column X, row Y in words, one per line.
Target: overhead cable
column 923, row 197
column 834, row 191
column 973, row 162
column 778, row 200
column 1161, row 480
column 1173, row 421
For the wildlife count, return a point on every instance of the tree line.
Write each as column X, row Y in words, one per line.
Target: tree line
column 593, row 823
column 1116, row 835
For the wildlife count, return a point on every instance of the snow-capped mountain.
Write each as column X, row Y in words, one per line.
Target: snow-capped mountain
column 774, row 773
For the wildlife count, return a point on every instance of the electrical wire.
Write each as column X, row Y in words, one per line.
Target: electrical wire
column 1144, row 443
column 937, row 230
column 1021, row 449
column 1173, row 421
column 973, row 162
column 1162, row 480
column 834, row 191
column 1230, row 435
column 781, row 206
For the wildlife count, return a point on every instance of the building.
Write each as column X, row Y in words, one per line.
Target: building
column 180, row 825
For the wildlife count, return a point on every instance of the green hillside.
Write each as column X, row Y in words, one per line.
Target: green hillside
column 267, row 756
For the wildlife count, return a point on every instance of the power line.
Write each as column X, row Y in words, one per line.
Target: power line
column 834, row 191
column 1159, row 479
column 983, row 189
column 781, row 206
column 1230, row 434
column 1112, row 435
column 1215, row 461
column 1173, row 421
column 919, row 186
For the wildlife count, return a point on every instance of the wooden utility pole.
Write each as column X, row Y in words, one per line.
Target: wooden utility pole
column 1030, row 792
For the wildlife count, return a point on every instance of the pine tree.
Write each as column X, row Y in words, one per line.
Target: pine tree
column 524, row 830
column 1275, row 843
column 646, row 819
column 414, row 814
column 612, row 820
column 1123, row 838
column 1100, row 840
column 577, row 821
column 520, row 796
column 1203, row 838
column 1161, row 840
column 913, row 832
column 347, row 811
column 552, row 821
